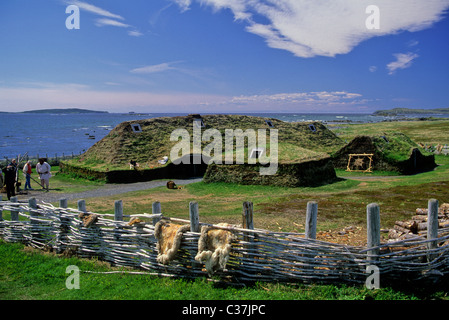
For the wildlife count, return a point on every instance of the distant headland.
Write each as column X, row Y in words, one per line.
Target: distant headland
column 61, row 111
column 402, row 111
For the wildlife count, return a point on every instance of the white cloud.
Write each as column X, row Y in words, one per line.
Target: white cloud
column 108, row 18
column 321, row 101
column 155, row 68
column 326, row 28
column 96, row 10
column 403, row 61
column 372, row 68
column 135, row 33
column 109, row 22
column 183, row 4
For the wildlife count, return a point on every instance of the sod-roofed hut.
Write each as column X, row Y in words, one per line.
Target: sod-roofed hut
column 303, row 151
column 389, row 152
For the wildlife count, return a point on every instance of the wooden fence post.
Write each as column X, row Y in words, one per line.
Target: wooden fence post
column 118, row 210
column 156, row 208
column 82, row 205
column 14, row 213
column 1, row 210
column 34, row 230
column 194, row 217
column 247, row 215
column 63, row 203
column 248, row 223
column 373, row 230
column 432, row 225
column 61, row 235
column 311, row 217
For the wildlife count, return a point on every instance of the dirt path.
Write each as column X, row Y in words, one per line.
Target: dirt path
column 103, row 191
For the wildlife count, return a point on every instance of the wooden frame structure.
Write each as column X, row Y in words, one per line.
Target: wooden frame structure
column 358, row 161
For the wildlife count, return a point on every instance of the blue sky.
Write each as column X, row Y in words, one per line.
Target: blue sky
column 224, row 55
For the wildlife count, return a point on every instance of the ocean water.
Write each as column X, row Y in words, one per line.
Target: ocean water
column 51, row 135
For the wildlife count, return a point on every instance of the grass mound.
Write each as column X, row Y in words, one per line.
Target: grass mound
column 391, row 152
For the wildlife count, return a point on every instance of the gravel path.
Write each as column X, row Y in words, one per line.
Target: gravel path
column 103, row 191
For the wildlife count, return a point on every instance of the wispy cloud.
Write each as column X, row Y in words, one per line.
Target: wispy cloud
column 135, row 33
column 183, row 4
column 403, row 61
column 94, row 9
column 155, row 68
column 301, row 97
column 109, row 22
column 108, row 18
column 325, row 28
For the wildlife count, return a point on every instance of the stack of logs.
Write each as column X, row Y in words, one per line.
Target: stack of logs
column 417, row 225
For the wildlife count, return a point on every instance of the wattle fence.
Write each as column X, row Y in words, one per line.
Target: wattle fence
column 256, row 254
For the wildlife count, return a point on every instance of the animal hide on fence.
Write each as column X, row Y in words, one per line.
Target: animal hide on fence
column 88, row 218
column 168, row 236
column 214, row 247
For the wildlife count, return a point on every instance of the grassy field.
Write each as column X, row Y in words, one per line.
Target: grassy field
column 430, row 132
column 341, row 207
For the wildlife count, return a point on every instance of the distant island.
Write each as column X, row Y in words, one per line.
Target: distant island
column 63, row 111
column 399, row 111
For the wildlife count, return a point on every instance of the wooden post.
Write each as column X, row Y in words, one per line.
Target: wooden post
column 248, row 223
column 432, row 225
column 33, row 223
column 247, row 215
column 14, row 213
column 155, row 209
column 61, row 235
column 373, row 229
column 194, row 217
column 63, row 203
column 118, row 210
column 82, row 205
column 311, row 217
column 33, row 205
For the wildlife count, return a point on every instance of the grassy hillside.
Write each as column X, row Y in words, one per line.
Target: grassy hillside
column 296, row 140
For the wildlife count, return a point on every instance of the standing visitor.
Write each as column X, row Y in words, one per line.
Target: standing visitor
column 27, row 173
column 43, row 169
column 10, row 179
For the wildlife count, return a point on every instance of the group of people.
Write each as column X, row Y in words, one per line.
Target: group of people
column 11, row 177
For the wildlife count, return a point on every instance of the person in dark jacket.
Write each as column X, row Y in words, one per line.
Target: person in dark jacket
column 10, row 179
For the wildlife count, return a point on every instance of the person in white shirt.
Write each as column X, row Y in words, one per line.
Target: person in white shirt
column 43, row 169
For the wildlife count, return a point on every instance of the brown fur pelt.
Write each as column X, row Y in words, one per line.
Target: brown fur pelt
column 214, row 247
column 134, row 220
column 88, row 218
column 168, row 236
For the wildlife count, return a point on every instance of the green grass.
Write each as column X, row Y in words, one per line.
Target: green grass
column 426, row 132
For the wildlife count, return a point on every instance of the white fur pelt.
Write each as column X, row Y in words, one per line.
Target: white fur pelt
column 214, row 247
column 168, row 238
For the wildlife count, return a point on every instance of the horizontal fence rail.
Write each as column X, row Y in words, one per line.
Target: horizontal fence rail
column 256, row 254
